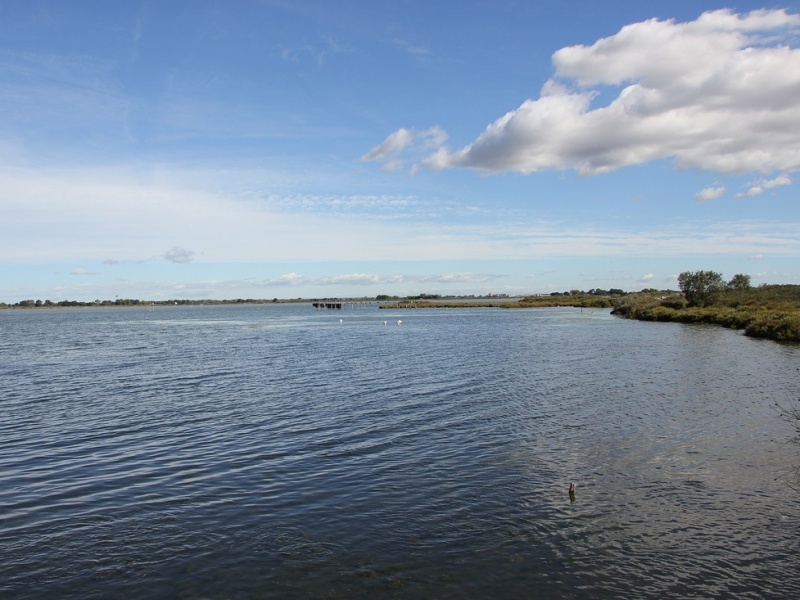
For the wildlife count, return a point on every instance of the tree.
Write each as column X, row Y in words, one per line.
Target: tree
column 739, row 283
column 700, row 287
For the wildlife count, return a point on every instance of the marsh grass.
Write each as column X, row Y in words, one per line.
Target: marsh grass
column 577, row 300
column 769, row 311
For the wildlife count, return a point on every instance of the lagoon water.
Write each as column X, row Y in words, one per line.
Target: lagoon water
column 273, row 451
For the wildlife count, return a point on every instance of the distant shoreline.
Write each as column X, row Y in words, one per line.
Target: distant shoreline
column 447, row 300
column 767, row 312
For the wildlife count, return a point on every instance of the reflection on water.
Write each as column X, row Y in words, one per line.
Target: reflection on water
column 274, row 451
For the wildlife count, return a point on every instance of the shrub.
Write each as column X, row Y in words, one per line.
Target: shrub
column 701, row 287
column 776, row 327
column 676, row 302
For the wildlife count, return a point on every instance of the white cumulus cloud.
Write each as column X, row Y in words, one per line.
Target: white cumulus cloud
column 710, row 193
column 720, row 93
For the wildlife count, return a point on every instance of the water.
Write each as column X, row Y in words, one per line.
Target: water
column 272, row 451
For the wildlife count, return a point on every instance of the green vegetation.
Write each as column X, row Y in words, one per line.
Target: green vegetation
column 767, row 311
column 577, row 299
column 135, row 302
column 701, row 287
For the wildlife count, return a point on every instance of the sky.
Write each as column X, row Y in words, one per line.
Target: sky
column 313, row 149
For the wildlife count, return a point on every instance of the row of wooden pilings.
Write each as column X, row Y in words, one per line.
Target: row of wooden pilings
column 340, row 304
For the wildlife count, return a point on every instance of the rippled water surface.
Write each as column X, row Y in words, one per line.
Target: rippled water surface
column 274, row 451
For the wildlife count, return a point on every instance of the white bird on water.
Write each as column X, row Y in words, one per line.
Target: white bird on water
column 399, row 322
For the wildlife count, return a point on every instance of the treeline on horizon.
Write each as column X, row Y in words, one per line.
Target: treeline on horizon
column 131, row 302
column 596, row 297
column 768, row 311
column 29, row 303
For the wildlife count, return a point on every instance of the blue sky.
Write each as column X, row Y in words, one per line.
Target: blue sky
column 261, row 149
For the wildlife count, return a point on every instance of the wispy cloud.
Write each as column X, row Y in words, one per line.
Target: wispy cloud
column 396, row 142
column 401, row 141
column 348, row 279
column 416, row 50
column 368, row 279
column 459, row 278
column 82, row 272
column 710, row 94
column 757, row 188
column 318, row 51
column 179, row 255
column 107, row 216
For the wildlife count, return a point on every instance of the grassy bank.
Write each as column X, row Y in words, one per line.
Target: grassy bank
column 578, row 300
column 769, row 311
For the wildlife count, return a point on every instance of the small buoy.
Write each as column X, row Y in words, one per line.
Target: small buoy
column 384, row 322
column 399, row 322
column 341, row 320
